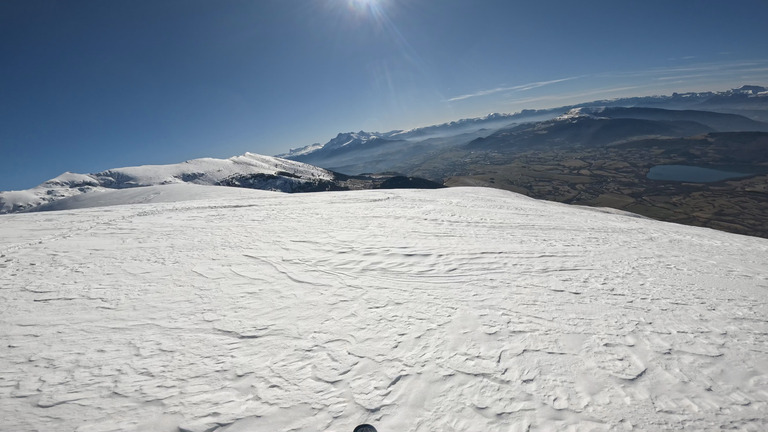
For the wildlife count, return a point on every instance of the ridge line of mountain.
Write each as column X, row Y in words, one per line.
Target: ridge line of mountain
column 748, row 91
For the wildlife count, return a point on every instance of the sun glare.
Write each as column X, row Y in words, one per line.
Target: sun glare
column 364, row 6
column 362, row 3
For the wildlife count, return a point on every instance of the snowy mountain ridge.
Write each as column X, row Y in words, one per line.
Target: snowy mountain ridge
column 345, row 139
column 352, row 138
column 497, row 120
column 746, row 90
column 271, row 173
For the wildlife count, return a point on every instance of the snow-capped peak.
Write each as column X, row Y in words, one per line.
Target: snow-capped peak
column 343, row 139
column 582, row 112
column 348, row 138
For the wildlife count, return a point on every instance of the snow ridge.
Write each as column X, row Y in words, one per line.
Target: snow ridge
column 204, row 171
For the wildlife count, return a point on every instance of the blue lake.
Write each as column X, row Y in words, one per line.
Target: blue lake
column 694, row 174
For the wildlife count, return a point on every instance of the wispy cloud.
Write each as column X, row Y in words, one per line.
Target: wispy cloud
column 697, row 76
column 677, row 77
column 696, row 69
column 571, row 96
column 712, row 73
column 516, row 88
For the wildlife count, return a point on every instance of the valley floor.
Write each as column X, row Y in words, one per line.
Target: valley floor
column 462, row 309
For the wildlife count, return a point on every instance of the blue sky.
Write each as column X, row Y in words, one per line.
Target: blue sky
column 97, row 84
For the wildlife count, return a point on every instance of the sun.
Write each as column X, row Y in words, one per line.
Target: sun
column 365, row 12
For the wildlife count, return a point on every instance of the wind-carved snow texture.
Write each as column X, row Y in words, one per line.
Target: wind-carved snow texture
column 441, row 310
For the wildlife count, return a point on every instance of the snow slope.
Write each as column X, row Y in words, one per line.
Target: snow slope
column 444, row 310
column 285, row 175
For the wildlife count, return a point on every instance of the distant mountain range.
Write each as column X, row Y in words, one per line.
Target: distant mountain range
column 749, row 101
column 591, row 127
column 681, row 114
column 369, row 152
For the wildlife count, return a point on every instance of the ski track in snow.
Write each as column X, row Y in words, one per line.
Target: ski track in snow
column 448, row 310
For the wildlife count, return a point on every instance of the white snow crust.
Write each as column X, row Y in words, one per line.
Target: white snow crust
column 146, row 195
column 462, row 309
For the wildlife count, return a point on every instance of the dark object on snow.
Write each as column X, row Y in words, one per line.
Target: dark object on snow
column 403, row 182
column 365, row 428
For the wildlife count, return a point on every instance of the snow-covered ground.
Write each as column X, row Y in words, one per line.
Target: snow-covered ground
column 443, row 310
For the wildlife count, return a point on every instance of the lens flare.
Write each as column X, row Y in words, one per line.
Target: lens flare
column 367, row 7
column 362, row 3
